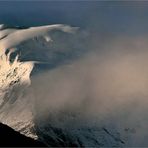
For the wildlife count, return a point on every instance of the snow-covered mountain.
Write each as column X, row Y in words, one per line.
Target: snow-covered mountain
column 15, row 106
column 20, row 109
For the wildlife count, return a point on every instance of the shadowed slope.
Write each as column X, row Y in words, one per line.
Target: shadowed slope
column 9, row 137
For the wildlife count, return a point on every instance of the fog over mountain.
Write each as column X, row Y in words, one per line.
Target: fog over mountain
column 83, row 83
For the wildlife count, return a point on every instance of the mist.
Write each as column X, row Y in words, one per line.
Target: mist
column 102, row 88
column 103, row 82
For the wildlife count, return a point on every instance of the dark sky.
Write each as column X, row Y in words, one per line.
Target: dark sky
column 108, row 16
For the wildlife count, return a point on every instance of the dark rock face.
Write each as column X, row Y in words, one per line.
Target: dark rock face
column 11, row 138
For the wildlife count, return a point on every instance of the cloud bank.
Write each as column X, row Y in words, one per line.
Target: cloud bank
column 105, row 87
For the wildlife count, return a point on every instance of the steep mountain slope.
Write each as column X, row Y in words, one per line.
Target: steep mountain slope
column 15, row 108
